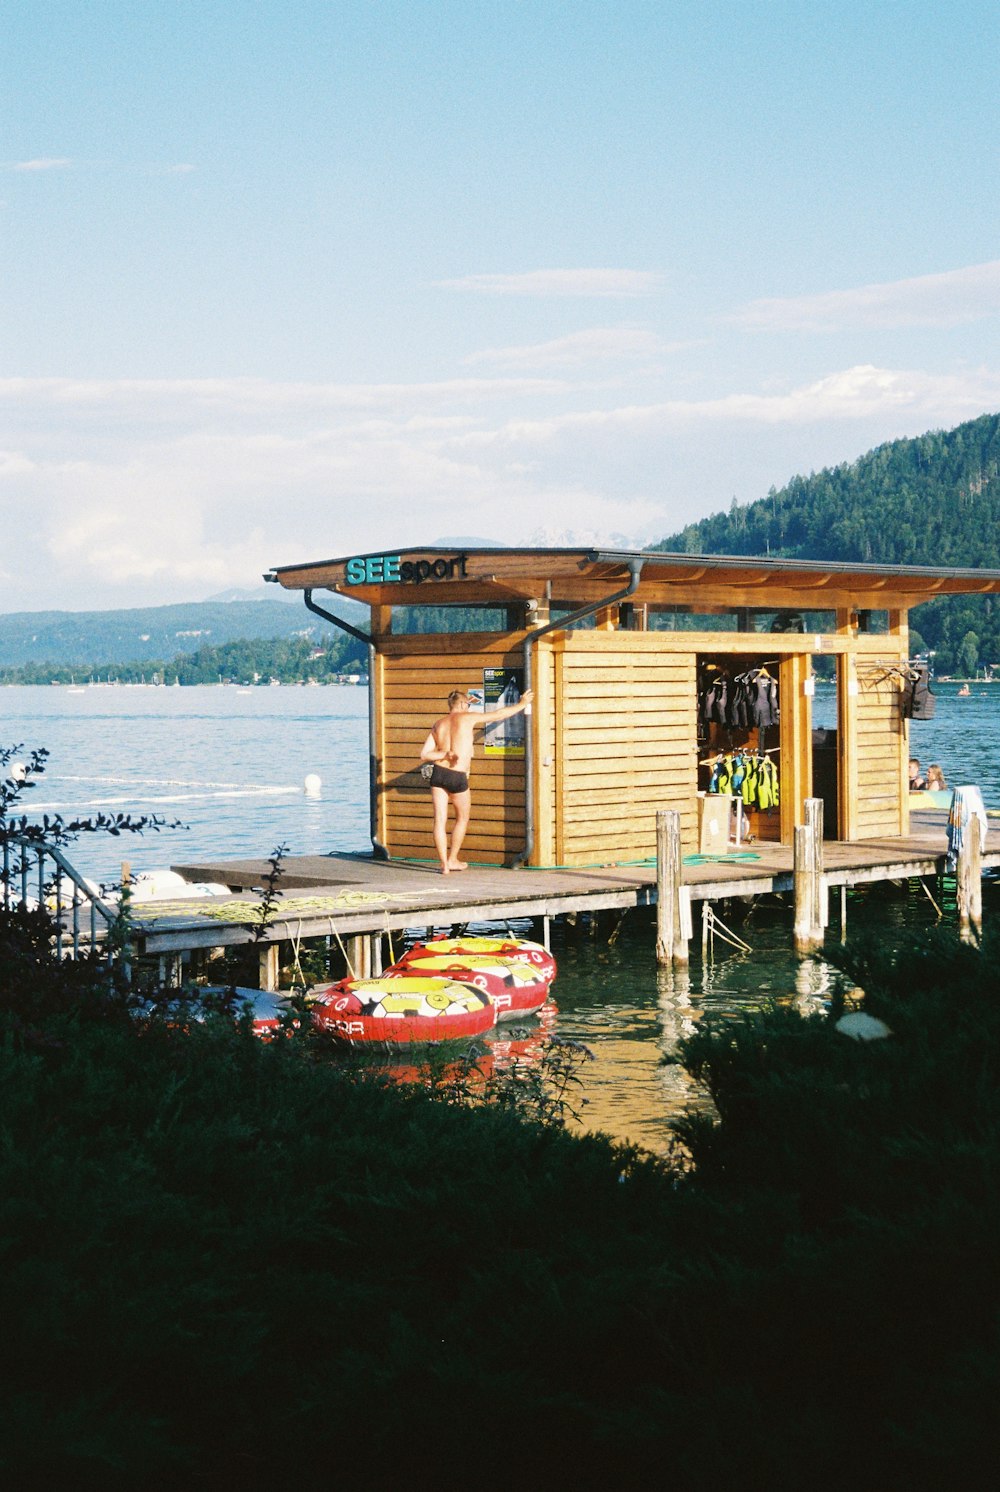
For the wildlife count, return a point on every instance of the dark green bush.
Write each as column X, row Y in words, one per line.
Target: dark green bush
column 229, row 1263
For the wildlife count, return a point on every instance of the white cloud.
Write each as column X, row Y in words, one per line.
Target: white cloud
column 863, row 392
column 591, row 283
column 602, row 344
column 43, row 163
column 140, row 491
column 950, row 299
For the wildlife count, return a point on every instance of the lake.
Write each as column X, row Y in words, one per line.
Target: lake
column 231, row 763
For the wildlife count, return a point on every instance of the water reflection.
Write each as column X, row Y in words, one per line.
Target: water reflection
column 634, row 1015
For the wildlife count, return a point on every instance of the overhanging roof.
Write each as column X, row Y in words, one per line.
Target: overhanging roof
column 497, row 577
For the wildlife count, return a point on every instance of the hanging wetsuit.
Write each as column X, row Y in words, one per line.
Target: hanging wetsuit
column 765, row 700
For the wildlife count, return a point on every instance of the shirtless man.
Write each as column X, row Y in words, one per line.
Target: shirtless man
column 449, row 747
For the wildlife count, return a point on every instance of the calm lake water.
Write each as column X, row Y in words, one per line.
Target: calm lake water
column 231, row 764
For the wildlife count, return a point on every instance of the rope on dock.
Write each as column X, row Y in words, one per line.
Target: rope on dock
column 713, row 926
column 245, row 911
column 930, row 897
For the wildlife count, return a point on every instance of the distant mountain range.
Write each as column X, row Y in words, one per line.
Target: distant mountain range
column 934, row 500
column 96, row 638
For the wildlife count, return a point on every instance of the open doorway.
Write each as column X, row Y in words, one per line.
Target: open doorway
column 739, row 749
column 825, row 723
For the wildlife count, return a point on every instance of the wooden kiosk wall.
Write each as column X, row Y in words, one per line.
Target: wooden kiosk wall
column 619, row 720
column 614, row 732
column 613, row 728
column 413, row 677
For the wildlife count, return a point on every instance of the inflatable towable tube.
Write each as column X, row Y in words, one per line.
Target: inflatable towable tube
column 517, row 950
column 515, row 986
column 402, row 1007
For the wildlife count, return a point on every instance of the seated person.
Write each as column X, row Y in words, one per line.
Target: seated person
column 935, row 779
column 918, row 782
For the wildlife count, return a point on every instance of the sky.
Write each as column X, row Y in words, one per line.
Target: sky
column 286, row 280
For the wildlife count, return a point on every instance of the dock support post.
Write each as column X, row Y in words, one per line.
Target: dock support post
column 359, row 950
column 268, row 965
column 820, row 891
column 672, row 927
column 969, row 882
column 810, row 892
column 171, row 970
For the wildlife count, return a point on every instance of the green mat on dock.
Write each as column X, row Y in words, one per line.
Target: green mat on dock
column 720, row 859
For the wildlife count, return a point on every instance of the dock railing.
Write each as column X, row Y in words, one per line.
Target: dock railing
column 81, row 918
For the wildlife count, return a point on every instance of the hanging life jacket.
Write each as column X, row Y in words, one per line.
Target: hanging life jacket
column 750, row 783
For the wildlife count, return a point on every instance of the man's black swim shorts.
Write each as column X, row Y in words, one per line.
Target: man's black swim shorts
column 452, row 782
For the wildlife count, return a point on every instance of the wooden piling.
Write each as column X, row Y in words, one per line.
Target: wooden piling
column 808, row 932
column 359, row 953
column 969, row 882
column 672, row 926
column 820, row 906
column 268, row 966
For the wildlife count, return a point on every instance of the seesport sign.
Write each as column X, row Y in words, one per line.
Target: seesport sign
column 382, row 569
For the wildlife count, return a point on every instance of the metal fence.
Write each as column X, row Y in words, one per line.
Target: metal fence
column 35, row 873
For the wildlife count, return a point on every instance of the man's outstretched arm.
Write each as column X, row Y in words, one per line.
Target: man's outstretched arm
column 493, row 716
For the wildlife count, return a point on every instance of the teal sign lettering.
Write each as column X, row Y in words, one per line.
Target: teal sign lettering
column 379, row 569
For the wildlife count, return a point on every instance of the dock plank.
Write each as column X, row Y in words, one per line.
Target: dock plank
column 347, row 894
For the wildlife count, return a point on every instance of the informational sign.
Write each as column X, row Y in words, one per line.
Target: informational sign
column 503, row 687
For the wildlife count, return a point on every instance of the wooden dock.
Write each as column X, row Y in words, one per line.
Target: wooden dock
column 357, row 900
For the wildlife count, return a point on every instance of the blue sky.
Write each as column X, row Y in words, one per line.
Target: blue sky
column 288, row 280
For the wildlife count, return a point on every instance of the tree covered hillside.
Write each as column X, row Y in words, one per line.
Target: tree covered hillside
column 147, row 634
column 930, row 501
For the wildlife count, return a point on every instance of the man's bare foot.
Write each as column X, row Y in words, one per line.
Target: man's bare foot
column 445, row 869
column 458, row 865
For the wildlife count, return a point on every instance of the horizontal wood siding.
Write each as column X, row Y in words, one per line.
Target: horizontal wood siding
column 416, row 675
column 879, row 761
column 625, row 728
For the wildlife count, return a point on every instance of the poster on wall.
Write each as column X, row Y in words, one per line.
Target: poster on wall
column 502, row 687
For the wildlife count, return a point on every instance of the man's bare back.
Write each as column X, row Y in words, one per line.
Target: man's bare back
column 454, row 737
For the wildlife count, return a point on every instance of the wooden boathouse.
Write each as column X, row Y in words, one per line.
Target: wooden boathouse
column 627, row 653
column 649, row 671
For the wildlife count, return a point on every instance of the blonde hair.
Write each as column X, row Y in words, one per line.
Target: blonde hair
column 455, row 696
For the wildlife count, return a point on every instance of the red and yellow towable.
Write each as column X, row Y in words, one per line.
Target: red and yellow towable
column 399, row 1007
column 516, row 987
column 515, row 950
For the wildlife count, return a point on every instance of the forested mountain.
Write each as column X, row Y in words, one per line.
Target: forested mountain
column 930, row 501
column 323, row 659
column 146, row 634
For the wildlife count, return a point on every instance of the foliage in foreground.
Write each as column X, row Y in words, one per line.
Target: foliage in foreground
column 235, row 1263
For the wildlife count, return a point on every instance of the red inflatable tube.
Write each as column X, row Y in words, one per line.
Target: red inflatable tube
column 515, row 986
column 404, row 1008
column 518, row 950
